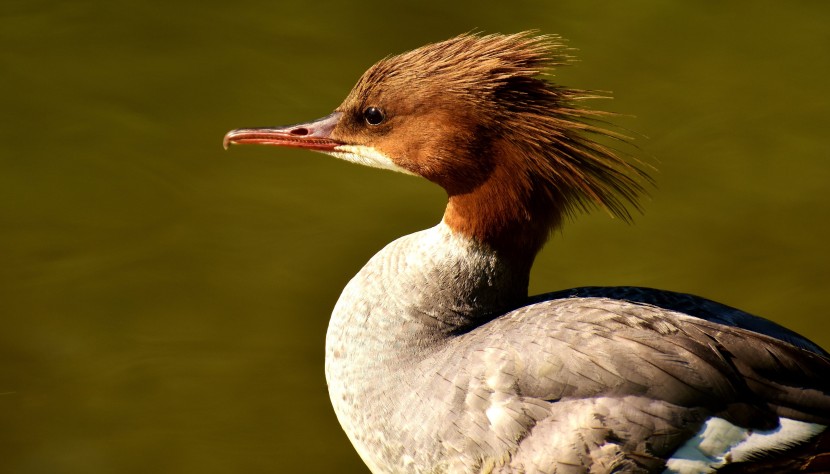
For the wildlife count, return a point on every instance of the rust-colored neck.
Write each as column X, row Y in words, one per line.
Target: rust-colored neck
column 510, row 211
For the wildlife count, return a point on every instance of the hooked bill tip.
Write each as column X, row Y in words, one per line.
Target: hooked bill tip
column 227, row 140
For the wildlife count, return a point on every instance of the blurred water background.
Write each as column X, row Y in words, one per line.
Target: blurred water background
column 163, row 303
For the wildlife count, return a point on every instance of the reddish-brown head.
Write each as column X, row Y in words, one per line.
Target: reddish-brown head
column 473, row 115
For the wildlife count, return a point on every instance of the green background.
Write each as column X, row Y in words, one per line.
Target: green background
column 163, row 303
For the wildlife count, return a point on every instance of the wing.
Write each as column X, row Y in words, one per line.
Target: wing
column 574, row 382
column 688, row 304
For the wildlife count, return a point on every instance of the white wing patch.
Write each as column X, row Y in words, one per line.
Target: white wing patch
column 366, row 156
column 719, row 442
column 789, row 433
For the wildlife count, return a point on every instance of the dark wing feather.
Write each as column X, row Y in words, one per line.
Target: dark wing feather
column 688, row 304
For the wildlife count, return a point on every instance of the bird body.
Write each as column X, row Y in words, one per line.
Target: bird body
column 461, row 382
column 437, row 360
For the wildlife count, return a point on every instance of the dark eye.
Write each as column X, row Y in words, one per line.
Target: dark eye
column 373, row 115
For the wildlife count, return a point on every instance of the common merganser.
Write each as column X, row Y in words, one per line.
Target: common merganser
column 437, row 361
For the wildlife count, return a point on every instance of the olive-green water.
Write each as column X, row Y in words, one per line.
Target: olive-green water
column 163, row 303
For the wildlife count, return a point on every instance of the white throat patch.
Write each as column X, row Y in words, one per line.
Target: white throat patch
column 366, row 156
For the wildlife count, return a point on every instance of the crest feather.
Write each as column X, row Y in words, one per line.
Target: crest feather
column 504, row 76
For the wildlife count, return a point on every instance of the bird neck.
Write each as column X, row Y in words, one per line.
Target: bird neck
column 511, row 211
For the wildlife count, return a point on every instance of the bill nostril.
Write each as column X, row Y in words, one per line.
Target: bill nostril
column 299, row 131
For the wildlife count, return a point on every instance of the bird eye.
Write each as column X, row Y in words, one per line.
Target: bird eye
column 373, row 116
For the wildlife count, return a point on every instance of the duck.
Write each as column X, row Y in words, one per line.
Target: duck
column 437, row 360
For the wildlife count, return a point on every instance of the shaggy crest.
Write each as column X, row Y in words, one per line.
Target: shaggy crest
column 502, row 77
